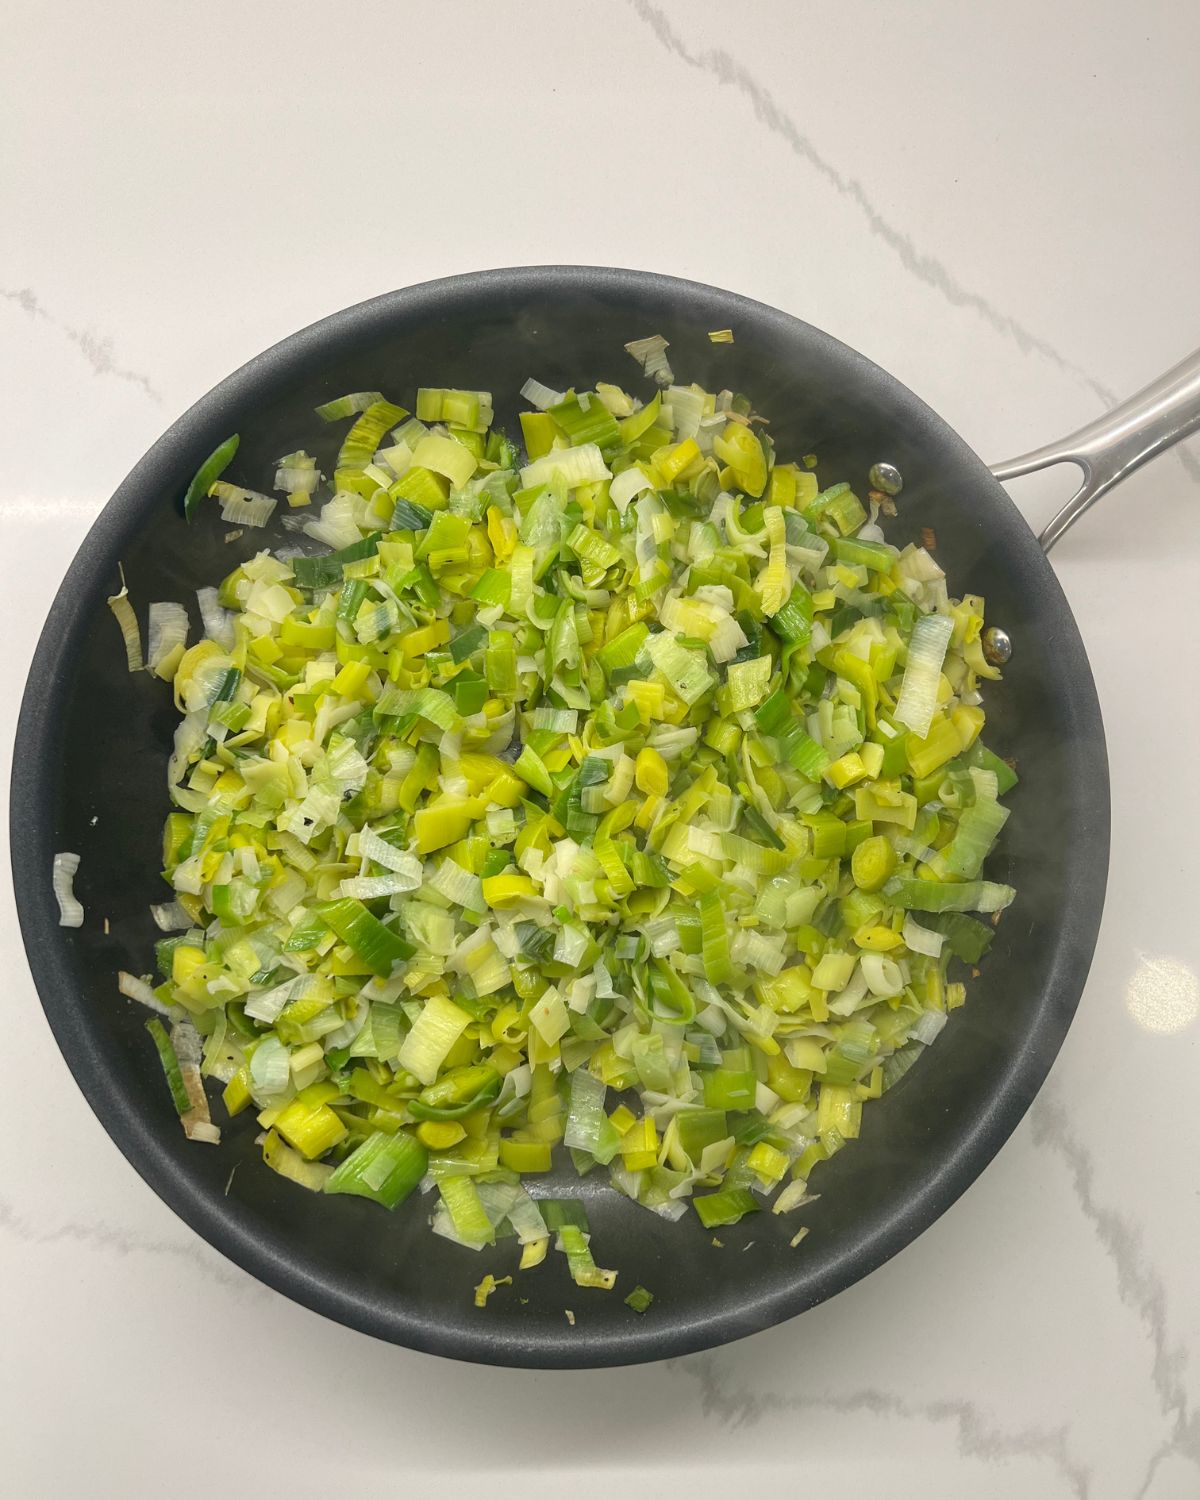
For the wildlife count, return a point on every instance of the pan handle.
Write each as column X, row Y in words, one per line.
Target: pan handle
column 1117, row 443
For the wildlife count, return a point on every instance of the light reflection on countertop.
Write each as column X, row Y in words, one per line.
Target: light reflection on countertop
column 1163, row 995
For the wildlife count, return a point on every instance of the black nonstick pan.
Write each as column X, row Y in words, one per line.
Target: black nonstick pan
column 89, row 776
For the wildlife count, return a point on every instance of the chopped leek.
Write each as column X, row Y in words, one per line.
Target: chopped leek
column 131, row 635
column 651, row 354
column 208, row 473
column 632, row 764
column 918, row 698
column 70, row 911
column 385, row 1168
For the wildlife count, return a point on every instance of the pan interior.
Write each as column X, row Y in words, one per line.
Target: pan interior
column 90, row 776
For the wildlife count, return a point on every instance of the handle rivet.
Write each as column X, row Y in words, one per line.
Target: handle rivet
column 886, row 477
column 997, row 647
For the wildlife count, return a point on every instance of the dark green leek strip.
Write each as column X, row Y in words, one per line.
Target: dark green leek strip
column 170, row 1065
column 537, row 943
column 420, row 581
column 409, row 516
column 759, row 828
column 229, row 686
column 499, row 450
column 471, row 640
column 966, row 937
column 325, row 571
column 354, row 594
column 558, row 1212
column 470, row 693
column 208, row 473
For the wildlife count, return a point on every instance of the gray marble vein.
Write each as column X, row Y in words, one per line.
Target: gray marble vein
column 977, row 1434
column 728, row 71
column 121, row 1242
column 98, row 351
column 1140, row 1287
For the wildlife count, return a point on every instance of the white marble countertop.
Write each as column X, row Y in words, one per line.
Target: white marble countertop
column 997, row 203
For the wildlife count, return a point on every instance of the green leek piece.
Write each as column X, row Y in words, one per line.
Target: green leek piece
column 409, row 516
column 639, row 1299
column 432, row 1038
column 590, row 423
column 170, row 1065
column 494, row 587
column 714, row 939
column 347, row 406
column 980, row 756
column 932, row 895
column 460, row 1198
column 624, row 649
column 584, row 1271
column 385, row 1168
column 726, row 1207
column 793, row 622
column 454, row 1097
column 469, row 409
column 733, row 1084
column 326, row 570
column 698, row 1128
column 560, row 1212
column 208, row 473
column 378, row 947
column 366, row 434
column 966, row 938
column 978, row 828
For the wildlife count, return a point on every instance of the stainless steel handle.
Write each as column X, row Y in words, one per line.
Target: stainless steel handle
column 1117, row 443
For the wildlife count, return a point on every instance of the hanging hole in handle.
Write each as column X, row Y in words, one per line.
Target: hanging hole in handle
column 1038, row 481
column 1118, row 442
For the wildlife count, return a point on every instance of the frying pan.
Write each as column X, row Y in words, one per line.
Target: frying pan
column 89, row 776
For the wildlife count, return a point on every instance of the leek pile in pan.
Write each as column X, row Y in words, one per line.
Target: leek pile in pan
column 622, row 794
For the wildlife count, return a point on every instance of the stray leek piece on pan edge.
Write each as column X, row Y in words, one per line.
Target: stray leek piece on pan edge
column 623, row 795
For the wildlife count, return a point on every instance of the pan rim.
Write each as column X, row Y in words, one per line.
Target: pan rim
column 31, row 832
